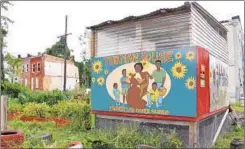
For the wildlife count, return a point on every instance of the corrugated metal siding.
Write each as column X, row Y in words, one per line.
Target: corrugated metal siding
column 156, row 33
column 205, row 36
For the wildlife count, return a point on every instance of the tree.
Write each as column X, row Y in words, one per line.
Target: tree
column 4, row 30
column 84, row 66
column 14, row 68
column 58, row 50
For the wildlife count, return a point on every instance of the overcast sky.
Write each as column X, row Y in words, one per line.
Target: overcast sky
column 38, row 23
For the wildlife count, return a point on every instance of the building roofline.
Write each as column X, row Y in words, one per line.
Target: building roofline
column 181, row 8
column 47, row 55
column 185, row 7
column 199, row 7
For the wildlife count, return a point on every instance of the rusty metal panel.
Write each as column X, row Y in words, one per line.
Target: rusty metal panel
column 157, row 33
column 205, row 36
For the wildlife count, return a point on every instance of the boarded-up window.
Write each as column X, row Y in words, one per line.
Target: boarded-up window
column 37, row 82
column 33, row 67
column 27, row 67
column 38, row 67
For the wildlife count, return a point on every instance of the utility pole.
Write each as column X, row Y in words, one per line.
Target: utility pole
column 63, row 39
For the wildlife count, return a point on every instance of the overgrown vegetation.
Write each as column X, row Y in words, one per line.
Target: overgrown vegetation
column 122, row 137
column 74, row 106
column 237, row 107
column 225, row 140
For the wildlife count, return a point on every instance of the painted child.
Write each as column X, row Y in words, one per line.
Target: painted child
column 116, row 93
column 125, row 85
column 153, row 96
column 159, row 76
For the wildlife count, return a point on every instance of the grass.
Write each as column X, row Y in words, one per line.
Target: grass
column 121, row 138
column 237, row 131
column 237, row 107
column 225, row 140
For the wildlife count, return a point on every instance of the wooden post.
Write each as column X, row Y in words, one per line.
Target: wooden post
column 92, row 44
column 3, row 113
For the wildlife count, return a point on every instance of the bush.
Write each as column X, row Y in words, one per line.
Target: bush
column 14, row 106
column 49, row 97
column 60, row 109
column 13, row 89
column 41, row 110
column 81, row 117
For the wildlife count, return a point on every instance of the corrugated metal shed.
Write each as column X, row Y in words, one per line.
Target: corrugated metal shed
column 203, row 34
column 184, row 26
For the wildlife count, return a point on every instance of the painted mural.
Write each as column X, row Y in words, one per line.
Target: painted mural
column 156, row 82
column 218, row 84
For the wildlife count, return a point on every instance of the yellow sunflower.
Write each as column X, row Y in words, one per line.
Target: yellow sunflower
column 179, row 70
column 178, row 55
column 190, row 55
column 106, row 72
column 93, row 79
column 145, row 63
column 130, row 72
column 97, row 66
column 101, row 81
column 190, row 83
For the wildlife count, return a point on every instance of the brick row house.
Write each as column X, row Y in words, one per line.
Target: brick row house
column 46, row 72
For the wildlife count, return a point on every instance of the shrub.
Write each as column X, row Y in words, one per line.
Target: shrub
column 13, row 89
column 81, row 117
column 49, row 97
column 60, row 109
column 14, row 106
column 40, row 110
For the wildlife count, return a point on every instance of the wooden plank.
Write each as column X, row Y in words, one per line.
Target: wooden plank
column 92, row 44
column 3, row 113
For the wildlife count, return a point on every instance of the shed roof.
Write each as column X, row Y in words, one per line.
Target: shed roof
column 163, row 11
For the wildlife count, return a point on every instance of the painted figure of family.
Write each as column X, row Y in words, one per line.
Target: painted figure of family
column 135, row 87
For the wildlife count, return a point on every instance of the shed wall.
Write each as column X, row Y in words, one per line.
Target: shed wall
column 157, row 33
column 202, row 34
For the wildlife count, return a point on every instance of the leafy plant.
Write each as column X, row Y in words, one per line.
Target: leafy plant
column 60, row 109
column 14, row 106
column 37, row 110
column 13, row 89
column 49, row 97
column 80, row 114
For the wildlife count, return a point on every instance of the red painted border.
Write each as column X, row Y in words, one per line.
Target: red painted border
column 146, row 116
column 159, row 117
column 203, row 93
column 211, row 113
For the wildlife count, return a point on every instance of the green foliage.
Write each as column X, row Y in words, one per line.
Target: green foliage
column 224, row 141
column 41, row 110
column 237, row 107
column 80, row 95
column 49, row 97
column 58, row 50
column 61, row 109
column 13, row 89
column 80, row 113
column 122, row 137
column 14, row 106
column 14, row 68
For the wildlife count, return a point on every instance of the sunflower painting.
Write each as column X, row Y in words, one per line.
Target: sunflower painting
column 190, row 55
column 97, row 67
column 100, row 81
column 178, row 55
column 179, row 70
column 145, row 63
column 93, row 79
column 190, row 83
